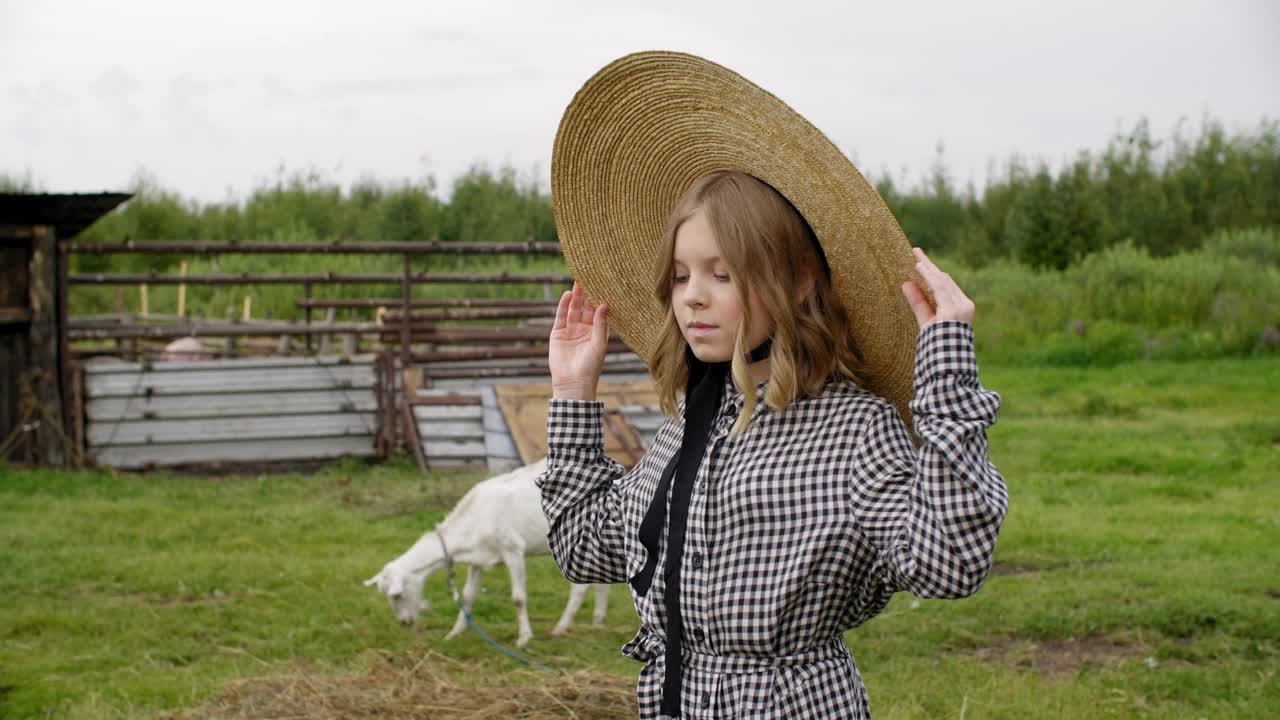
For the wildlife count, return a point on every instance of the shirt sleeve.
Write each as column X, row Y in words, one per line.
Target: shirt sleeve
column 581, row 494
column 933, row 513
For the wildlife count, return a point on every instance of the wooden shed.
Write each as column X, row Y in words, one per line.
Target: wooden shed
column 34, row 415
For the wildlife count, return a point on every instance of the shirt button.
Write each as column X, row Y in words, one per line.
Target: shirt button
column 699, row 635
column 706, row 700
column 697, row 561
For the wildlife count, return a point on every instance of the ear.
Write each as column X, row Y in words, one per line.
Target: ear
column 373, row 580
column 394, row 587
column 805, row 287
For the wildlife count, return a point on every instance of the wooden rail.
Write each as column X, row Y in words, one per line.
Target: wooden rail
column 338, row 247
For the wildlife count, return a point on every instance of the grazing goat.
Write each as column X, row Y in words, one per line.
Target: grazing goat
column 500, row 520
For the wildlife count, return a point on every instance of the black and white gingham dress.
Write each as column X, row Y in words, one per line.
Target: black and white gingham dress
column 798, row 530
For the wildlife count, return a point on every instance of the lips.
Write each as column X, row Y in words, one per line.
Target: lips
column 697, row 330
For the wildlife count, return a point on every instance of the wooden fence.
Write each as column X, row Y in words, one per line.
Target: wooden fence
column 425, row 387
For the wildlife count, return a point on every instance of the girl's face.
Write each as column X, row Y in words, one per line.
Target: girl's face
column 704, row 298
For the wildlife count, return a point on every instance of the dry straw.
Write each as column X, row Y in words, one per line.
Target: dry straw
column 645, row 127
column 430, row 686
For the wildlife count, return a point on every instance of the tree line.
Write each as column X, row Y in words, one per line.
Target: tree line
column 1164, row 196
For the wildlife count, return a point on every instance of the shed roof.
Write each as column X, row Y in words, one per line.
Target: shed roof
column 68, row 213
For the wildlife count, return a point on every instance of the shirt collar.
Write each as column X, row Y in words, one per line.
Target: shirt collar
column 732, row 400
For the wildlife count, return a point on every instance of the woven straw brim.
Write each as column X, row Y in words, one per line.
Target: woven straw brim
column 645, row 127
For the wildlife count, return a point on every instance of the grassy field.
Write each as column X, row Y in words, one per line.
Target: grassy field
column 1137, row 574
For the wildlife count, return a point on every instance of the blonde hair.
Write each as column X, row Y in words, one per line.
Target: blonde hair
column 767, row 246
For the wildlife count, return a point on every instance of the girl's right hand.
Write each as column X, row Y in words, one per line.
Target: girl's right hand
column 577, row 346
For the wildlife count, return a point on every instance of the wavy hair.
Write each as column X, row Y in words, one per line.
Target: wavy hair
column 770, row 249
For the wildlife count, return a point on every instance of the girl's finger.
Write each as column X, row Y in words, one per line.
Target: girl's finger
column 918, row 302
column 923, row 257
column 575, row 304
column 600, row 326
column 562, row 311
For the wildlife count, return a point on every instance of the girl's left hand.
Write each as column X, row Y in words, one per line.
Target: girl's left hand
column 953, row 304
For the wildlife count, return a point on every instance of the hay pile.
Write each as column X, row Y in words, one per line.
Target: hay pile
column 430, row 686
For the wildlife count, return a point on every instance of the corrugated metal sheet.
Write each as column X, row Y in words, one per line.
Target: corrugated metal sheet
column 646, row 420
column 452, row 435
column 467, row 435
column 239, row 410
column 279, row 409
column 536, row 374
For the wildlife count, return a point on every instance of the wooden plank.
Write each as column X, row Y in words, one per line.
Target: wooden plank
column 453, row 430
column 493, row 419
column 138, row 432
column 448, row 449
column 458, row 464
column 335, row 247
column 264, row 363
column 469, row 383
column 525, row 410
column 437, row 400
column 447, row 412
column 110, row 409
column 500, row 446
column 645, row 419
column 229, row 381
column 136, row 456
column 46, row 377
column 14, row 315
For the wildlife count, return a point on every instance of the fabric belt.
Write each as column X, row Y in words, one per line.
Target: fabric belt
column 740, row 664
column 829, row 649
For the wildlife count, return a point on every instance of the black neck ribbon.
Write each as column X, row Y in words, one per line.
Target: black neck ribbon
column 702, row 403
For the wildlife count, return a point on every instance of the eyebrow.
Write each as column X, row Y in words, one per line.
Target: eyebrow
column 708, row 261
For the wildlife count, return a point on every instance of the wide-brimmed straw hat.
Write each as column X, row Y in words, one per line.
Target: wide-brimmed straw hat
column 646, row 126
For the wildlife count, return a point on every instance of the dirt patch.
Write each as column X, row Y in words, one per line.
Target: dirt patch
column 1017, row 569
column 1063, row 656
column 430, row 686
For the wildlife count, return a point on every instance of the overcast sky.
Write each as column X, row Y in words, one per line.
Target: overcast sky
column 211, row 98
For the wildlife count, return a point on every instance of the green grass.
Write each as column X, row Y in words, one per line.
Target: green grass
column 1136, row 575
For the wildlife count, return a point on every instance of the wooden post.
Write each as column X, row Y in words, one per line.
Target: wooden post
column 248, row 307
column 412, row 381
column 182, row 291
column 406, row 308
column 45, row 380
column 66, row 373
column 326, row 339
column 306, row 293
column 77, row 424
column 142, row 300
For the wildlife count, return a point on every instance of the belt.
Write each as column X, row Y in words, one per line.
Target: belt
column 829, row 649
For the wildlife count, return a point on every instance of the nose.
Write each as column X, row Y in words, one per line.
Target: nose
column 695, row 292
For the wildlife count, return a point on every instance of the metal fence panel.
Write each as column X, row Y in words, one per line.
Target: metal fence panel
column 235, row 410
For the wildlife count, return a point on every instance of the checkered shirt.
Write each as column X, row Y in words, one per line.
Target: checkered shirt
column 799, row 529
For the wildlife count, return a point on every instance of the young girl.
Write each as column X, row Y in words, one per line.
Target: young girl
column 781, row 504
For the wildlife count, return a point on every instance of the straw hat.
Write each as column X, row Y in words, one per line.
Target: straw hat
column 646, row 126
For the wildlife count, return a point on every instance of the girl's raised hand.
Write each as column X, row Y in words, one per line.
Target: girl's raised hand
column 953, row 304
column 577, row 346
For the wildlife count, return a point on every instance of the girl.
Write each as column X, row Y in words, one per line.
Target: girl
column 782, row 503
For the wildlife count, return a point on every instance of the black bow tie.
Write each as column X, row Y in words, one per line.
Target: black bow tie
column 702, row 401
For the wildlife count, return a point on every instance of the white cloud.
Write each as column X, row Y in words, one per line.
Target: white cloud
column 216, row 96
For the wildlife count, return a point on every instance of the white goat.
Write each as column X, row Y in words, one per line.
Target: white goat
column 498, row 520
